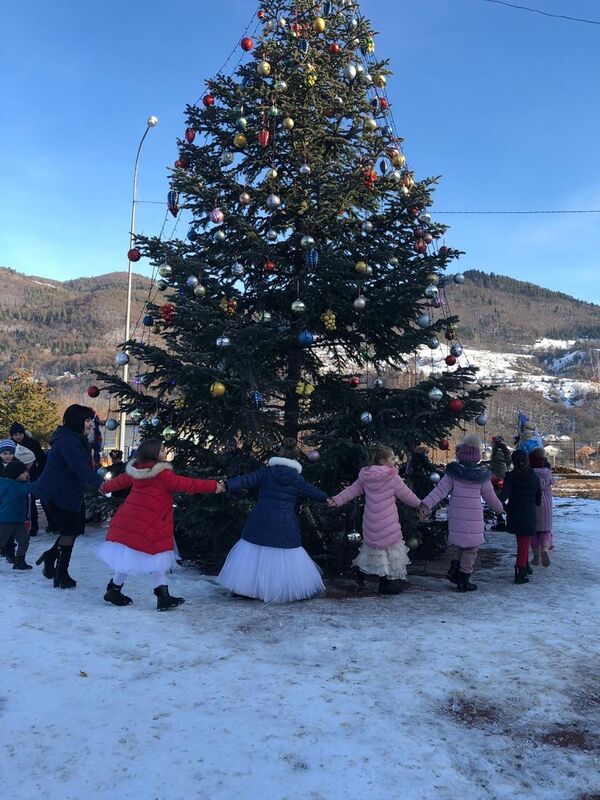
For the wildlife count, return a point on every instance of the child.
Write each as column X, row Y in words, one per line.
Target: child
column 522, row 493
column 269, row 563
column 383, row 552
column 467, row 483
column 14, row 503
column 541, row 543
column 140, row 536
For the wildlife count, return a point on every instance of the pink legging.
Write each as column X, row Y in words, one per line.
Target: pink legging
column 466, row 556
column 541, row 541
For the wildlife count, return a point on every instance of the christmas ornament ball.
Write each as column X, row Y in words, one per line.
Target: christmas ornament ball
column 134, row 254
column 200, row 291
column 379, row 81
column 298, row 307
column 237, row 269
column 366, row 418
column 350, row 72
column 136, row 415
column 263, row 69
column 155, row 422
column 435, row 477
column 162, row 285
column 165, row 270
column 360, row 267
column 223, row 341
column 192, row 281
column 444, row 444
column 168, row 433
column 313, row 456
column 288, row 123
column 459, row 279
column 240, row 141
column 273, row 202
column 93, row 391
column 456, row 350
column 122, row 359
column 305, row 169
column 272, row 235
column 219, row 236
column 435, row 394
column 360, row 303
column 306, row 242
column 208, row 101
column 367, row 226
column 456, row 406
column 244, row 198
column 246, row 44
column 412, row 544
column 335, row 49
column 423, row 320
column 217, row 389
column 434, row 343
column 111, row 424
column 394, row 261
column 481, row 420
column 148, row 321
column 319, row 25
column 378, row 383
column 305, row 338
column 450, row 360
column 425, row 218
column 241, row 123
column 431, row 291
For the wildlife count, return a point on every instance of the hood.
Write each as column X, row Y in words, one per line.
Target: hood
column 62, row 432
column 467, row 471
column 146, row 471
column 284, row 470
column 378, row 474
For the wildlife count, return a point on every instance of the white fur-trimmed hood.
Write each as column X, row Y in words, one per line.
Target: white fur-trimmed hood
column 285, row 462
column 148, row 472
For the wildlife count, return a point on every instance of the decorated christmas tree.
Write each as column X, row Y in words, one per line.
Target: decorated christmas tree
column 310, row 273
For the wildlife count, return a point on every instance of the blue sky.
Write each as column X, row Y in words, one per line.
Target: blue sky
column 501, row 103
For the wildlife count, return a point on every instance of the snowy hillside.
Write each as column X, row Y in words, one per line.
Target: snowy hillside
column 430, row 694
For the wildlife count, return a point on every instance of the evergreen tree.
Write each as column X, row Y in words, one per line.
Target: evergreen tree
column 25, row 399
column 311, row 269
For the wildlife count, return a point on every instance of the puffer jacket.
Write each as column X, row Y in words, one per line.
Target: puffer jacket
column 466, row 484
column 543, row 512
column 273, row 521
column 145, row 520
column 67, row 471
column 14, row 506
column 381, row 486
column 521, row 494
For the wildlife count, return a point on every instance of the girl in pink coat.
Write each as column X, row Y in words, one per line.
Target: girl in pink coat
column 466, row 483
column 541, row 543
column 383, row 552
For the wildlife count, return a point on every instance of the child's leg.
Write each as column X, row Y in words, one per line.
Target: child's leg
column 22, row 538
column 119, row 578
column 159, row 579
column 467, row 559
column 522, row 551
column 546, row 543
column 536, row 546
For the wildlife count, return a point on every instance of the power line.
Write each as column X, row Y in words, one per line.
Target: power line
column 544, row 13
column 559, row 211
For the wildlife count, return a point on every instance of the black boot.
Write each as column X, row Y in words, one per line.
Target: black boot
column 8, row 551
column 464, row 584
column 521, row 575
column 20, row 563
column 359, row 576
column 113, row 595
column 48, row 558
column 528, row 569
column 386, row 586
column 452, row 573
column 164, row 601
column 62, row 579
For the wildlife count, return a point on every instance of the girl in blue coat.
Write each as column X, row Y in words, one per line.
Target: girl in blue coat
column 269, row 562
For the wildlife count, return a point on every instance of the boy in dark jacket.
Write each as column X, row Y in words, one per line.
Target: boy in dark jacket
column 14, row 503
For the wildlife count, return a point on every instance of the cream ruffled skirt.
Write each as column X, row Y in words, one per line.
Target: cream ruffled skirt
column 128, row 561
column 388, row 562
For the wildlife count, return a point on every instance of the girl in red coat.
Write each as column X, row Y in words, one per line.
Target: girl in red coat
column 140, row 537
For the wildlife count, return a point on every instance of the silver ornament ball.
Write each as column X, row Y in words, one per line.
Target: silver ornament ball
column 366, row 418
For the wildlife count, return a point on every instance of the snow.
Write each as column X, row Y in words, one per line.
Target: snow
column 553, row 344
column 429, row 694
column 43, row 283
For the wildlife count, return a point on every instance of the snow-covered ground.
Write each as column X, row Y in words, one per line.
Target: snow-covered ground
column 427, row 695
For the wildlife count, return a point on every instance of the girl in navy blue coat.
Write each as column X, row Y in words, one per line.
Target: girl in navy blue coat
column 269, row 562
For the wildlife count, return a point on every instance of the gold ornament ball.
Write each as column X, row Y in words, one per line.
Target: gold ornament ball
column 217, row 389
column 380, row 81
column 412, row 544
column 370, row 123
column 200, row 291
column 288, row 123
column 319, row 25
column 155, row 329
column 361, row 267
column 240, row 140
column 272, row 174
column 264, row 69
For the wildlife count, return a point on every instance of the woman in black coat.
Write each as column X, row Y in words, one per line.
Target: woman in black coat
column 61, row 485
column 520, row 494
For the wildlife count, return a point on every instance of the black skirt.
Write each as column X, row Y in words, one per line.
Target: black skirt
column 67, row 523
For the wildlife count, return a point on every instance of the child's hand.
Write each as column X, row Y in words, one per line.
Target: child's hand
column 331, row 503
column 220, row 487
column 423, row 512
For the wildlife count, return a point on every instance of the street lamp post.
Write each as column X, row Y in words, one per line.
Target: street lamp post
column 150, row 123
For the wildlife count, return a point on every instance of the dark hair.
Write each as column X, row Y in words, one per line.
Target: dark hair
column 289, row 449
column 520, row 462
column 75, row 417
column 148, row 451
column 116, row 454
column 380, row 452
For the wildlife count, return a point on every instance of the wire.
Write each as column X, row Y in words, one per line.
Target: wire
column 559, row 211
column 544, row 13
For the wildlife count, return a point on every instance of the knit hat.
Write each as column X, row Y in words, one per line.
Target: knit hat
column 24, row 455
column 470, row 448
column 7, row 444
column 16, row 427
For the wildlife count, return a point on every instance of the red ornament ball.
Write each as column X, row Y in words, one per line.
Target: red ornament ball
column 383, row 103
column 247, row 44
column 93, row 391
column 178, row 164
column 134, row 254
column 456, row 406
column 354, row 381
column 261, row 14
column 335, row 49
column 450, row 360
column 269, row 266
column 444, row 444
column 208, row 100
column 420, row 246
column 184, row 161
column 414, row 211
column 443, row 251
column 190, row 135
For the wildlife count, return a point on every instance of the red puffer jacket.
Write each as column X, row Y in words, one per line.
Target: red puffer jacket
column 145, row 520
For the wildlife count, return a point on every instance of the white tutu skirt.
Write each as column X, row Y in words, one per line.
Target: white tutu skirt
column 389, row 562
column 128, row 561
column 271, row 574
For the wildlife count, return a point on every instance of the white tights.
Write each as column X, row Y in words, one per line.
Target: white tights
column 158, row 578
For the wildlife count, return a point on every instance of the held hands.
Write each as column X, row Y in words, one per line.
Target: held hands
column 220, row 487
column 331, row 503
column 423, row 512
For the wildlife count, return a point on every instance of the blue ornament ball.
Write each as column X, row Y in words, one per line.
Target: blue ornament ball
column 305, row 338
column 148, row 320
column 111, row 424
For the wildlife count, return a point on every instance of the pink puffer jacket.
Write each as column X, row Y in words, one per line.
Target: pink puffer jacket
column 465, row 512
column 381, row 486
column 544, row 512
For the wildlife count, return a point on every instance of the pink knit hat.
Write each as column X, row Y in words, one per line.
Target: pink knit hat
column 470, row 448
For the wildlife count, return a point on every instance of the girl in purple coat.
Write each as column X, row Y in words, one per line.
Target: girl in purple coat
column 541, row 543
column 383, row 552
column 466, row 483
